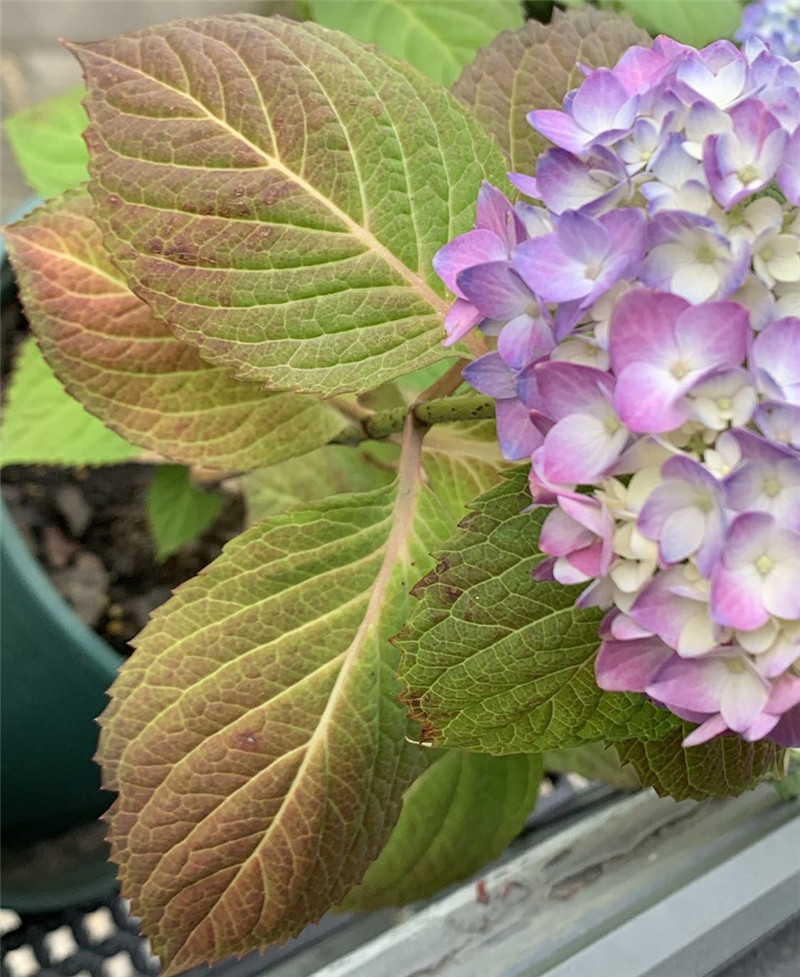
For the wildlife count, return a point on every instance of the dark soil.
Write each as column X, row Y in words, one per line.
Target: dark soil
column 88, row 528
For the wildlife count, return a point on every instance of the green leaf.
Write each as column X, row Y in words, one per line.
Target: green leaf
column 495, row 662
column 437, row 36
column 47, row 140
column 128, row 369
column 282, row 215
column 695, row 22
column 462, row 812
column 595, row 762
column 462, row 460
column 177, row 512
column 43, row 425
column 722, row 767
column 788, row 787
column 534, row 68
column 331, row 470
column 255, row 736
column 412, row 385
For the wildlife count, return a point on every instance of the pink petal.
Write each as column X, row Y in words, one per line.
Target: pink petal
column 743, row 699
column 713, row 335
column 760, row 727
column 559, row 128
column 460, row 320
column 681, row 534
column 549, row 271
column 517, row 435
column 598, row 100
column 706, row 731
column 736, row 598
column 561, row 535
column 523, row 340
column 495, row 213
column 473, row 248
column 642, row 328
column 782, row 591
column 628, row 666
column 649, row 400
column 569, row 388
column 785, row 694
column 579, row 448
column 696, row 684
column 495, row 290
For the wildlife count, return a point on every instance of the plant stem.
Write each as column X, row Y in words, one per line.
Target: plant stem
column 383, row 423
column 447, row 384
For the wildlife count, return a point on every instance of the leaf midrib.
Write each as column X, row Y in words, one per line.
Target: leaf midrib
column 408, row 488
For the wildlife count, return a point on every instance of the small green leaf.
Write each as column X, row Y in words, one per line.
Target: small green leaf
column 695, row 22
column 462, row 461
column 412, row 384
column 284, row 218
column 127, row 368
column 177, row 512
column 722, row 767
column 47, row 140
column 437, row 36
column 459, row 814
column 534, row 68
column 331, row 470
column 495, row 662
column 788, row 787
column 43, row 425
column 595, row 762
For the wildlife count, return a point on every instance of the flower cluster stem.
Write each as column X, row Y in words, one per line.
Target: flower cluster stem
column 383, row 423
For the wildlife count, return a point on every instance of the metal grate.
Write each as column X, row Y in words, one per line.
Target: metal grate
column 101, row 940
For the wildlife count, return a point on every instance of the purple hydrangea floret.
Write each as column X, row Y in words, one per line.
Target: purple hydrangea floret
column 776, row 23
column 643, row 308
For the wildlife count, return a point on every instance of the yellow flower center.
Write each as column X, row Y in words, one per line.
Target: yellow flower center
column 764, row 564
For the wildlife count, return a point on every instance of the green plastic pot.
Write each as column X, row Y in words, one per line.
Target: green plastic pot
column 55, row 673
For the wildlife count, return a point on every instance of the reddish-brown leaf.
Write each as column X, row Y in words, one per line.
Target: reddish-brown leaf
column 276, row 192
column 126, row 367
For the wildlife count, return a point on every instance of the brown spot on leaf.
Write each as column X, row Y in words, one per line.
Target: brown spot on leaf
column 245, row 739
column 421, row 585
column 426, row 735
column 271, row 195
column 451, row 594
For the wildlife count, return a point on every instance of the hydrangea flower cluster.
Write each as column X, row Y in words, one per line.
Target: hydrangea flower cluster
column 777, row 23
column 645, row 315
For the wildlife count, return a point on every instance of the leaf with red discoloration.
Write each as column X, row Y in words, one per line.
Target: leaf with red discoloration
column 126, row 367
column 255, row 737
column 276, row 192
